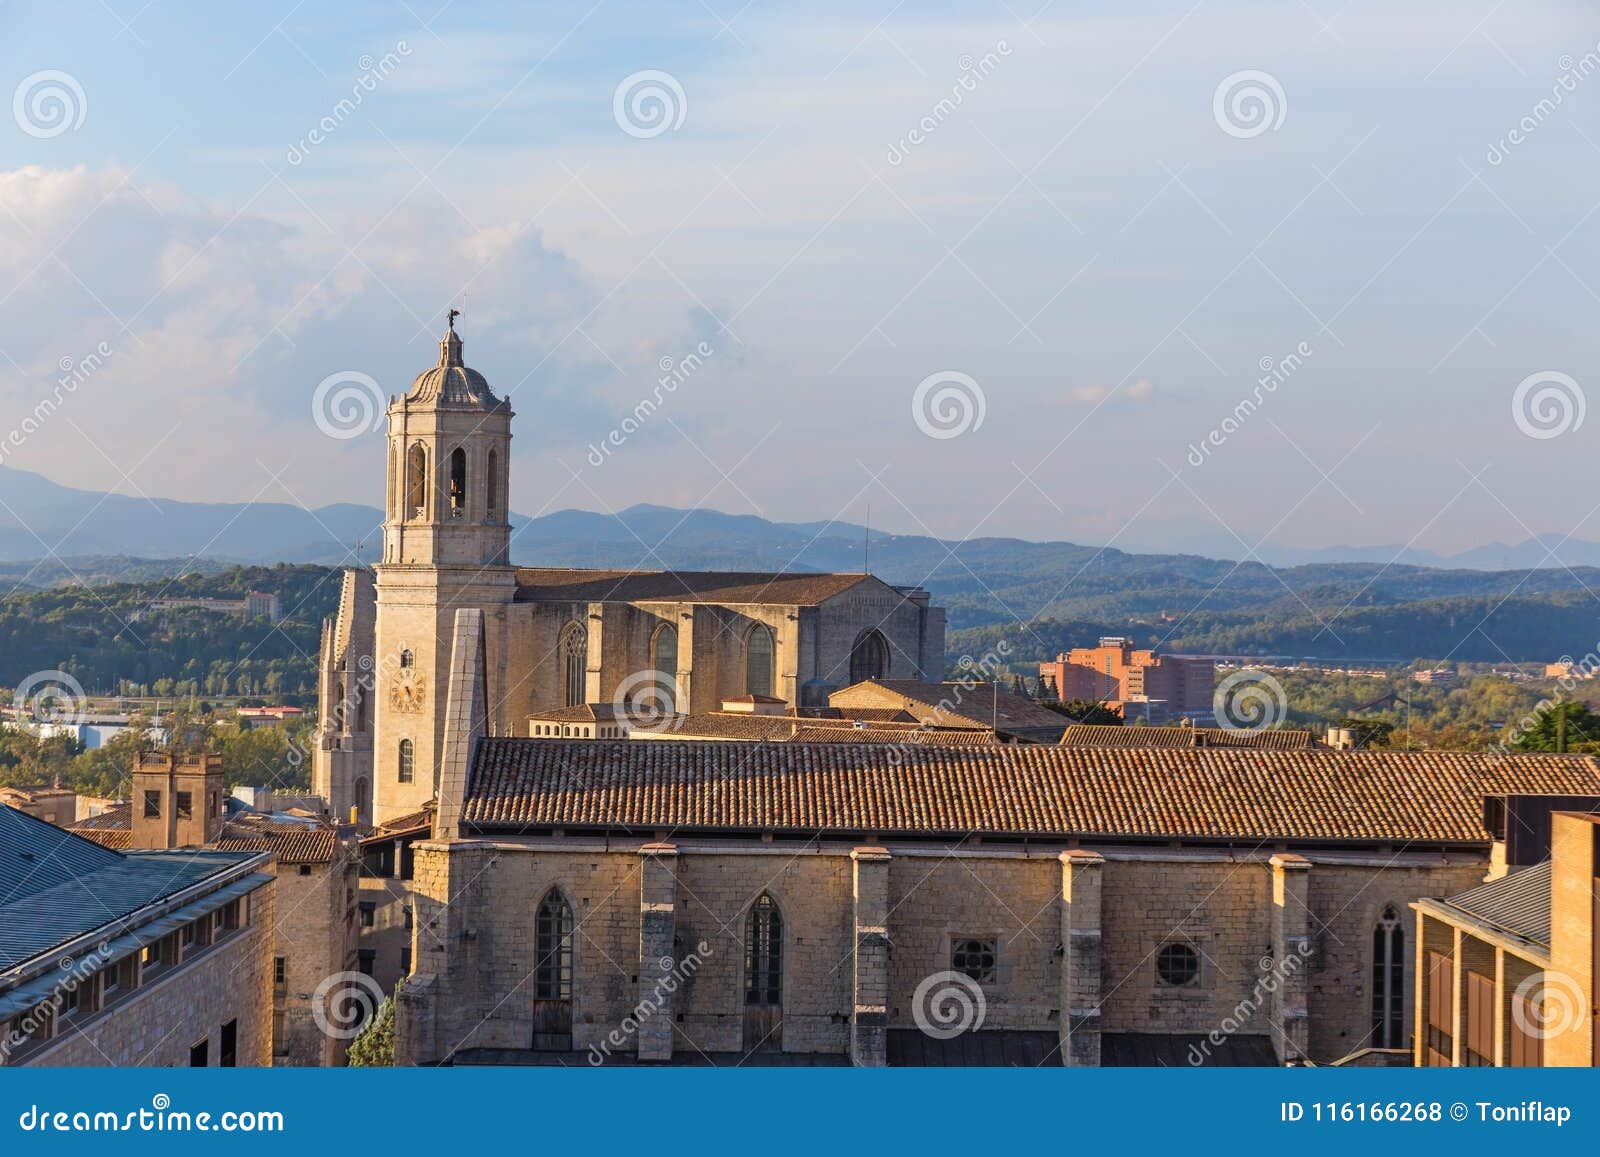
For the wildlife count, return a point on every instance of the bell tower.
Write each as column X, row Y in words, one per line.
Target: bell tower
column 449, row 450
column 446, row 546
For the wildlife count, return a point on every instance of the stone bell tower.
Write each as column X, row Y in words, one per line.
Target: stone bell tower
column 449, row 441
column 446, row 542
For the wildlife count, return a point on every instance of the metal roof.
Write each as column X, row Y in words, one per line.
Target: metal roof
column 55, row 886
column 1518, row 903
column 25, row 996
column 35, row 855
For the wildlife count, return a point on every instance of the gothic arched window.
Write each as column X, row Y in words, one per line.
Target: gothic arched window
column 416, row 482
column 759, row 653
column 408, row 761
column 664, row 661
column 361, row 798
column 869, row 658
column 552, row 975
column 763, row 953
column 458, row 483
column 491, row 489
column 574, row 664
column 407, row 659
column 763, row 976
column 1388, row 980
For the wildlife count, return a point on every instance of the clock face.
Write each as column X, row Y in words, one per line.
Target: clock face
column 408, row 691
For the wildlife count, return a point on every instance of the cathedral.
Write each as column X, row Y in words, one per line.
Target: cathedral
column 677, row 642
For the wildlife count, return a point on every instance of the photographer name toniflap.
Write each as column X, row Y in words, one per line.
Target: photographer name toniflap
column 1424, row 1112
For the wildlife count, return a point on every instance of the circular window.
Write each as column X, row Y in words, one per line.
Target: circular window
column 1177, row 964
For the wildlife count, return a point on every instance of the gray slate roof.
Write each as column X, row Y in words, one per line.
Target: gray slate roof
column 55, row 886
column 1518, row 903
column 36, row 856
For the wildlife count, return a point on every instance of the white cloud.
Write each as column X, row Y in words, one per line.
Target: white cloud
column 221, row 321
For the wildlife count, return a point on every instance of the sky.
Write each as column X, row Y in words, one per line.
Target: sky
column 1168, row 276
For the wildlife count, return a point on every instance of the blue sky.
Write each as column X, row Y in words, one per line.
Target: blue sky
column 1095, row 240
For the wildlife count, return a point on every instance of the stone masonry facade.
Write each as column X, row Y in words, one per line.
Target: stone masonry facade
column 162, row 1020
column 1077, row 935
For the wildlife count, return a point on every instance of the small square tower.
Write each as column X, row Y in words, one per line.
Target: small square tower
column 177, row 800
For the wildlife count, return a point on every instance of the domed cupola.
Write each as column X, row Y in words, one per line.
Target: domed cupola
column 452, row 383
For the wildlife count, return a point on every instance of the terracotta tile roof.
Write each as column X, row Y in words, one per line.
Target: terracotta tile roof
column 876, row 714
column 1213, row 793
column 583, row 713
column 291, row 843
column 732, row 725
column 735, row 726
column 408, row 822
column 560, row 584
column 114, row 817
column 954, row 704
column 33, row 792
column 1136, row 735
column 923, row 736
column 118, row 839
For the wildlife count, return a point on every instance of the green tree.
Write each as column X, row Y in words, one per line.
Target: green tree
column 1563, row 727
column 374, row 1048
column 1085, row 711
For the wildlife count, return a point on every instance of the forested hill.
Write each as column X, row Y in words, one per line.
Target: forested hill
column 1485, row 630
column 106, row 632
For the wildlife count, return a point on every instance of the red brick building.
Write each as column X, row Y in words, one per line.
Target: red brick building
column 1115, row 672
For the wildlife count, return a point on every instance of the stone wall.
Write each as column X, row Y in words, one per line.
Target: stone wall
column 158, row 1024
column 1244, row 916
column 315, row 933
column 1346, row 902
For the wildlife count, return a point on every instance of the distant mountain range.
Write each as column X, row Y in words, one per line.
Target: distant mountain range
column 97, row 537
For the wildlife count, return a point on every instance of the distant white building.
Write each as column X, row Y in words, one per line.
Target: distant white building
column 255, row 605
column 93, row 730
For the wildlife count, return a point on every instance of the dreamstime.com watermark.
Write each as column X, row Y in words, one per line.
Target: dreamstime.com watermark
column 973, row 72
column 73, row 374
column 649, row 103
column 1566, row 83
column 1249, row 103
column 1249, row 701
column 74, row 974
column 49, row 103
column 1274, row 373
column 160, row 1117
column 1576, row 672
column 673, row 375
column 51, row 697
column 677, row 973
column 1276, row 974
column 647, row 700
column 1548, row 404
column 975, row 673
column 343, row 1004
column 947, row 1004
column 372, row 73
column 1547, row 1004
column 948, row 404
column 347, row 404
